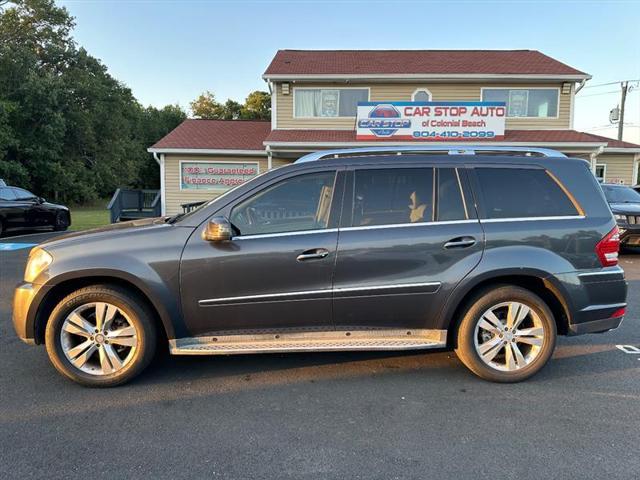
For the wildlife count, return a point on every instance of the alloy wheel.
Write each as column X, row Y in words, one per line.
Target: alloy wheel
column 98, row 338
column 509, row 336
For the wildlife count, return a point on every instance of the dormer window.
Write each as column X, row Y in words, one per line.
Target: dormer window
column 421, row 95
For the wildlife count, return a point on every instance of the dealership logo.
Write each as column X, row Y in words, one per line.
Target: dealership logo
column 384, row 121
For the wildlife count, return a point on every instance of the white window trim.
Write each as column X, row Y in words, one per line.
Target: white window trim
column 604, row 171
column 368, row 89
column 557, row 89
column 219, row 190
column 636, row 165
column 422, row 89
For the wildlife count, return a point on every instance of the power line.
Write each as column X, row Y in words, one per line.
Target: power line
column 609, row 83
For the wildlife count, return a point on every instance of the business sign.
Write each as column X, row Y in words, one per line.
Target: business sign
column 215, row 175
column 430, row 120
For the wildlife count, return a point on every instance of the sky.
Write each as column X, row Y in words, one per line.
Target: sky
column 170, row 51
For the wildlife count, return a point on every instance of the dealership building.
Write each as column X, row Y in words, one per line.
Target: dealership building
column 356, row 98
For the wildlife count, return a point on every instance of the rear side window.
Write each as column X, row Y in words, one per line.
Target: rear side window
column 521, row 192
column 394, row 196
column 451, row 204
column 6, row 194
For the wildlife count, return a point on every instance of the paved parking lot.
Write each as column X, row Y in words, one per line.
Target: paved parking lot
column 329, row 415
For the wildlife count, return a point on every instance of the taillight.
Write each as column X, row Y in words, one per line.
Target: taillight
column 618, row 313
column 607, row 248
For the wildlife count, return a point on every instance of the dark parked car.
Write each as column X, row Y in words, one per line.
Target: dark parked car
column 22, row 210
column 492, row 255
column 625, row 205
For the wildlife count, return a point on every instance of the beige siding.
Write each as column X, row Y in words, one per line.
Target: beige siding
column 619, row 168
column 174, row 197
column 403, row 92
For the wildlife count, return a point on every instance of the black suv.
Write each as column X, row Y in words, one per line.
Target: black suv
column 625, row 205
column 491, row 254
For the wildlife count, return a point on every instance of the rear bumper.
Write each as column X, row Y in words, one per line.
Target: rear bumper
column 594, row 299
column 595, row 326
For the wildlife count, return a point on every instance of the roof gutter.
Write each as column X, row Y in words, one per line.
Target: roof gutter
column 424, row 76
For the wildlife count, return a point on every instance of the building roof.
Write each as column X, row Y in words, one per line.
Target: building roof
column 516, row 136
column 251, row 136
column 196, row 134
column 301, row 63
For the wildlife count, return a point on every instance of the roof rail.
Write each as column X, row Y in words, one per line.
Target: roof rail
column 418, row 149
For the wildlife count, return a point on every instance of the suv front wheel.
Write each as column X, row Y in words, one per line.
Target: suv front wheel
column 507, row 334
column 100, row 336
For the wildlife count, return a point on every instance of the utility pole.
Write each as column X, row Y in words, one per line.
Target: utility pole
column 623, row 97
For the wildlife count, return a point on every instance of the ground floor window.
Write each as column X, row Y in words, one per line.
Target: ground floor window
column 601, row 172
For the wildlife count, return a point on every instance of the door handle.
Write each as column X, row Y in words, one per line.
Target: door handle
column 460, row 242
column 314, row 254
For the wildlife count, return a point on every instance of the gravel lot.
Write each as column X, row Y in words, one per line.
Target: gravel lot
column 329, row 415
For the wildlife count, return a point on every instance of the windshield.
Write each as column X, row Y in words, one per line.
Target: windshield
column 617, row 194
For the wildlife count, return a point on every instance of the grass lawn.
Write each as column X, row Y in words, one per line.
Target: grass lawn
column 88, row 216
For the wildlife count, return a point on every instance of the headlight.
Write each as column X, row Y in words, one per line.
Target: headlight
column 620, row 217
column 38, row 261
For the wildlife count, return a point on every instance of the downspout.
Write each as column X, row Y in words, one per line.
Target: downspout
column 580, row 85
column 593, row 156
column 163, row 193
column 269, row 158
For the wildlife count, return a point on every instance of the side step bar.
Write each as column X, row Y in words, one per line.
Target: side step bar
column 318, row 341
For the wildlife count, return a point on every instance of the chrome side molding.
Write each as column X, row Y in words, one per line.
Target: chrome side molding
column 427, row 287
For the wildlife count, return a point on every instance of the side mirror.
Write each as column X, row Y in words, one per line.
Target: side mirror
column 41, row 200
column 218, row 229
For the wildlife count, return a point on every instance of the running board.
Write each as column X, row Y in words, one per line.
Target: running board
column 319, row 341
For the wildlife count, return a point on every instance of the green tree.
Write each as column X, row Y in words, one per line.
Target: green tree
column 68, row 130
column 257, row 106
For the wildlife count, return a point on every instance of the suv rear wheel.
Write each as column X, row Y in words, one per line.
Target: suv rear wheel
column 100, row 336
column 507, row 334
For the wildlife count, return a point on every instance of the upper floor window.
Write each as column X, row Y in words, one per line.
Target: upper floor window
column 328, row 102
column 421, row 95
column 525, row 102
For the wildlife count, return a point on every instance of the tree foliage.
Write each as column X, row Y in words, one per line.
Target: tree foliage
column 257, row 106
column 68, row 129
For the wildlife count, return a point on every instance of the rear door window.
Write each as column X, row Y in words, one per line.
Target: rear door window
column 393, row 196
column 522, row 192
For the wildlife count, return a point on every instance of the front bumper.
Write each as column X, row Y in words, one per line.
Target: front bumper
column 629, row 234
column 25, row 307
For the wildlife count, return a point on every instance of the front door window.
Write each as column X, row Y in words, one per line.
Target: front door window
column 292, row 205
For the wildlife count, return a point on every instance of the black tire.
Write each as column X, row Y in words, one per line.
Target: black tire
column 60, row 222
column 140, row 318
column 1, row 228
column 467, row 350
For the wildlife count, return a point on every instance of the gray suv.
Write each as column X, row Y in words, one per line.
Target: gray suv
column 490, row 251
